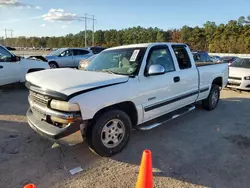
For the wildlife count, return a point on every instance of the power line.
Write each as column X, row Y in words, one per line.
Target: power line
column 93, row 27
column 6, row 34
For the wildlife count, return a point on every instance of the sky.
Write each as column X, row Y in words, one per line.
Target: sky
column 61, row 17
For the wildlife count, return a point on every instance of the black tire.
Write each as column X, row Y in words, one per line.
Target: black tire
column 94, row 135
column 209, row 103
column 53, row 65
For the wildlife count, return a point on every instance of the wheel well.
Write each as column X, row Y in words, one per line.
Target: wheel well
column 128, row 107
column 218, row 81
column 34, row 70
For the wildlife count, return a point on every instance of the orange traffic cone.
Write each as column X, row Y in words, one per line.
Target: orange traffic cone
column 30, row 186
column 145, row 178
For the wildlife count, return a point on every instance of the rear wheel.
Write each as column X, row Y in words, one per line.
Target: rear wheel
column 109, row 133
column 53, row 65
column 213, row 98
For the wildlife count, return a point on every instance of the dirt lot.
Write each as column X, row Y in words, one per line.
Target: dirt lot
column 27, row 53
column 210, row 149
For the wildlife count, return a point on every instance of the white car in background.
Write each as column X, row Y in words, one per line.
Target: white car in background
column 13, row 69
column 67, row 57
column 239, row 74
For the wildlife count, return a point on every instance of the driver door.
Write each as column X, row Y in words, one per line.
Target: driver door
column 9, row 68
column 65, row 59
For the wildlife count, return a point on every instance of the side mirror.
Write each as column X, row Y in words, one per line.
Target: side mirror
column 156, row 70
column 16, row 58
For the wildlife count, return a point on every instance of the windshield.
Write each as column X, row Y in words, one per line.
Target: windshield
column 124, row 61
column 57, row 52
column 242, row 63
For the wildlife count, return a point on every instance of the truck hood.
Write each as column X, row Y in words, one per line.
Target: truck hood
column 29, row 63
column 68, row 81
column 235, row 71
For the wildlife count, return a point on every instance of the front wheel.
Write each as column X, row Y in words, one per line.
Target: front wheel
column 213, row 98
column 53, row 65
column 110, row 133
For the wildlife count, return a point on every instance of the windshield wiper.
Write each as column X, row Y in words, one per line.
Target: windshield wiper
column 108, row 71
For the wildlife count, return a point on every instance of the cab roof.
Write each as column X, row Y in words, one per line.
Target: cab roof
column 143, row 45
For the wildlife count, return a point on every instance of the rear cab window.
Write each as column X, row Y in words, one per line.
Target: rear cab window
column 182, row 56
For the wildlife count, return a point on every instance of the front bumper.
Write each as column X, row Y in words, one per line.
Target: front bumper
column 69, row 135
column 239, row 84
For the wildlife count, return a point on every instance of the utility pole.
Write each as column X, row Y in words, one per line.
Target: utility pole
column 93, row 33
column 5, row 30
column 85, row 20
column 5, row 39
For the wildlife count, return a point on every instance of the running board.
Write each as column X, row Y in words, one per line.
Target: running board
column 164, row 119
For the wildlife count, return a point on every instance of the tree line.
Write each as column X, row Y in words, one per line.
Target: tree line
column 233, row 37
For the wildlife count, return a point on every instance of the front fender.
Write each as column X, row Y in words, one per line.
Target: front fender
column 92, row 102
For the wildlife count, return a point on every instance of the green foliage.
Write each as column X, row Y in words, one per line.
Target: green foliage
column 233, row 37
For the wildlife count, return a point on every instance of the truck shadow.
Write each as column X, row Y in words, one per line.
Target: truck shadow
column 203, row 148
column 13, row 87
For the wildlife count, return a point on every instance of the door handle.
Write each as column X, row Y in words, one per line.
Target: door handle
column 176, row 79
column 1, row 67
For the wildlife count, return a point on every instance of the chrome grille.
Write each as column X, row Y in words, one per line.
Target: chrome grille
column 234, row 78
column 38, row 113
column 39, row 99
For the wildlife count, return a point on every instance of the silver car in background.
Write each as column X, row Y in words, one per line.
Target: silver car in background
column 85, row 62
column 67, row 57
column 239, row 74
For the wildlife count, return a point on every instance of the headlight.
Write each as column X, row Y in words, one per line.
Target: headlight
column 247, row 78
column 64, row 106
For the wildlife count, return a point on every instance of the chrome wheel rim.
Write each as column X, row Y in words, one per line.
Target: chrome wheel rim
column 215, row 97
column 112, row 133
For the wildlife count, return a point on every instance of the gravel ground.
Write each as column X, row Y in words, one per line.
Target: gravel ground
column 200, row 149
column 30, row 52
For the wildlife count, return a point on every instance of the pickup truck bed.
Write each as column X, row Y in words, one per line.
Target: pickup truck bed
column 135, row 86
column 200, row 64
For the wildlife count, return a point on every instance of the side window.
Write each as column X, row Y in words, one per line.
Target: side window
column 97, row 50
column 80, row 52
column 182, row 56
column 83, row 52
column 66, row 53
column 5, row 56
column 203, row 58
column 162, row 57
column 208, row 59
column 197, row 57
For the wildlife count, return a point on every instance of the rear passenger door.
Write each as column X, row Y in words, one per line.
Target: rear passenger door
column 188, row 75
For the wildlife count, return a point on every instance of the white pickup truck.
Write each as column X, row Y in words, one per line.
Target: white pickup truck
column 13, row 68
column 129, row 87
